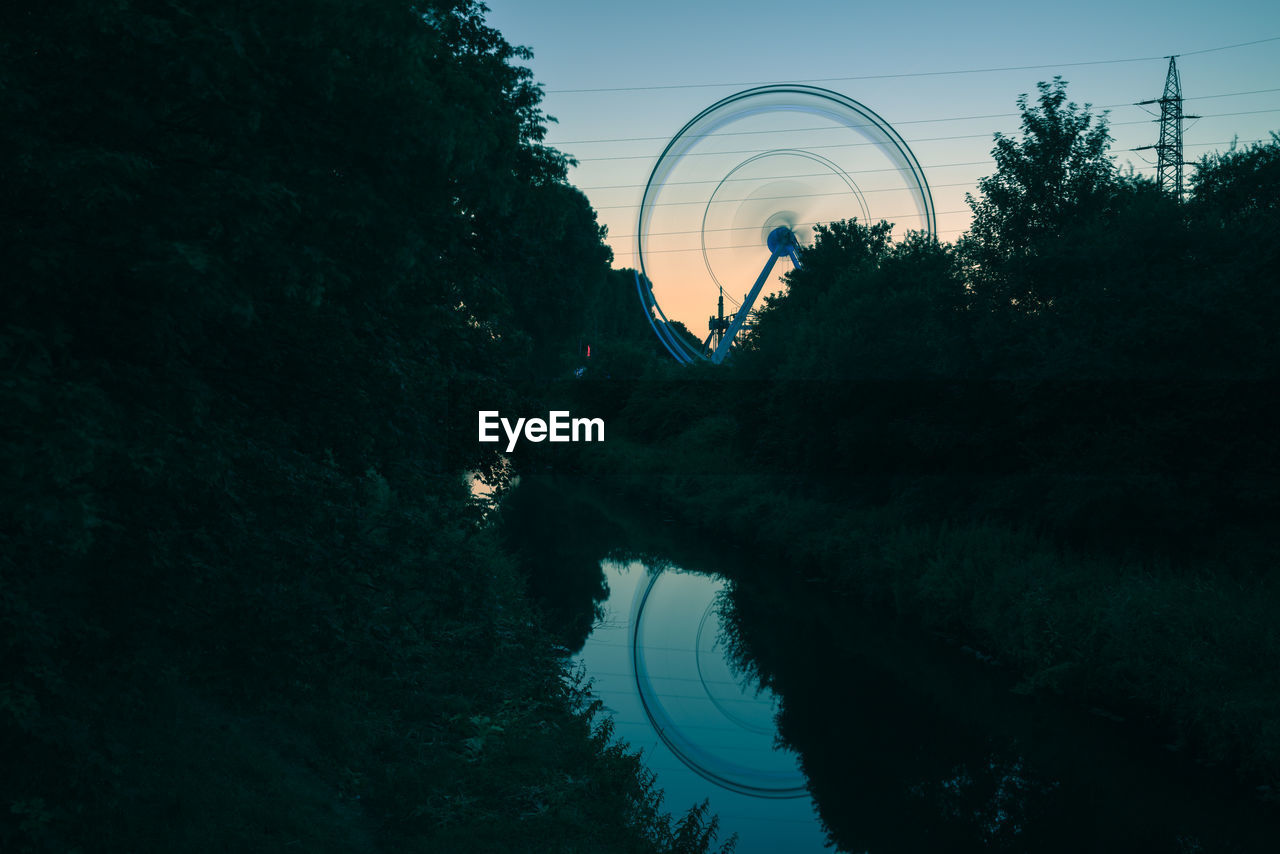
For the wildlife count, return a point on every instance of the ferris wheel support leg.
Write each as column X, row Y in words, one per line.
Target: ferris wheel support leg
column 741, row 316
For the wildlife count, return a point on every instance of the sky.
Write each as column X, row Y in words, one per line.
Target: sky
column 622, row 79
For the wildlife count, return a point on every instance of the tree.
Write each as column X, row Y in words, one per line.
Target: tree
column 1058, row 173
column 1234, row 215
column 1242, row 184
column 244, row 600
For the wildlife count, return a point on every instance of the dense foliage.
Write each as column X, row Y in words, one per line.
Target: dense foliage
column 1089, row 360
column 261, row 259
column 252, row 255
column 1054, row 438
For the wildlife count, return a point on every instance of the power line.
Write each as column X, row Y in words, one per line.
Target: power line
column 882, row 169
column 558, row 143
column 779, row 177
column 909, row 74
column 739, row 245
column 839, row 193
column 780, row 130
column 756, row 150
column 649, row 252
column 859, row 144
column 631, row 253
column 843, row 192
column 785, row 177
column 1224, row 47
column 752, row 227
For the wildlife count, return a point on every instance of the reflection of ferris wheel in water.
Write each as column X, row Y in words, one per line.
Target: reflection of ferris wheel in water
column 743, row 184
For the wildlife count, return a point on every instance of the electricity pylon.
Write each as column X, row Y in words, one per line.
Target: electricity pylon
column 1169, row 160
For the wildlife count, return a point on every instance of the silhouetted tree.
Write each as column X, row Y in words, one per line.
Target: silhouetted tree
column 1058, row 173
column 245, row 603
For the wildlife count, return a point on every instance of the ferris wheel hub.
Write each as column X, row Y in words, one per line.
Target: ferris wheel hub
column 780, row 238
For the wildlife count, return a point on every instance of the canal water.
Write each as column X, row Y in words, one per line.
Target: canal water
column 805, row 720
column 660, row 662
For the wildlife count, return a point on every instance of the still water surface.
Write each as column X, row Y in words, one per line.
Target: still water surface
column 871, row 735
column 661, row 666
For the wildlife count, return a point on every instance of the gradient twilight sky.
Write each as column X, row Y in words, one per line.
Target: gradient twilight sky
column 704, row 51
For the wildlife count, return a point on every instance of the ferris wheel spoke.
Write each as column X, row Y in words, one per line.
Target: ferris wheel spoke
column 781, row 242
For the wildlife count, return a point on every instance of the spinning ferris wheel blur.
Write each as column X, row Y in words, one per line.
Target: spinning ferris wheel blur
column 741, row 187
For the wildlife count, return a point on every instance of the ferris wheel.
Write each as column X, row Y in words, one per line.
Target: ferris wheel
column 741, row 187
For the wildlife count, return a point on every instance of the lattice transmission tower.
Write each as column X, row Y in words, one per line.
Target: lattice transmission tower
column 1169, row 160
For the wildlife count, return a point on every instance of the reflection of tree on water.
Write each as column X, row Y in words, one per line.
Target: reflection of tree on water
column 907, row 745
column 911, row 746
column 890, row 768
column 992, row 795
column 560, row 536
column 559, row 541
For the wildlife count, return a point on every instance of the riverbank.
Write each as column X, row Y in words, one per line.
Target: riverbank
column 1190, row 650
